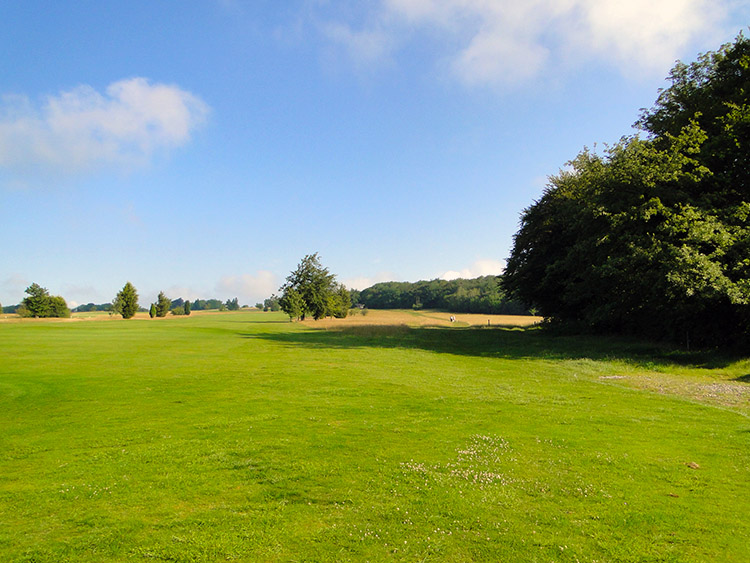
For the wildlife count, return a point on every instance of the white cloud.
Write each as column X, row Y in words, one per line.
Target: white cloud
column 477, row 269
column 249, row 288
column 510, row 42
column 81, row 129
column 364, row 47
column 644, row 33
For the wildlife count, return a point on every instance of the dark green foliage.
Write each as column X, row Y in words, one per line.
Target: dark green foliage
column 36, row 303
column 713, row 92
column 163, row 305
column 126, row 301
column 653, row 238
column 339, row 302
column 292, row 304
column 39, row 303
column 152, row 310
column 89, row 307
column 232, row 304
column 271, row 304
column 58, row 307
column 354, row 297
column 186, row 308
column 206, row 304
column 317, row 288
column 480, row 295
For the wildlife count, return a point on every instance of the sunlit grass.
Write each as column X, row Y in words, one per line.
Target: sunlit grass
column 241, row 436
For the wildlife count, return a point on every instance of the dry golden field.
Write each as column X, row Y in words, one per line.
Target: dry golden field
column 373, row 317
column 424, row 318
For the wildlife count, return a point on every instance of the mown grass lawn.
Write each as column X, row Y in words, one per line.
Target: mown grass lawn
column 244, row 437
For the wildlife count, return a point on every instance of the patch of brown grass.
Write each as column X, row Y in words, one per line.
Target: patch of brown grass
column 376, row 317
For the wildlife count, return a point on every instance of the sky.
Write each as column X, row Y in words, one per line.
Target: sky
column 203, row 148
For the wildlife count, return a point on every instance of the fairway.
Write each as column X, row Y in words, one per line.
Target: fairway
column 243, row 437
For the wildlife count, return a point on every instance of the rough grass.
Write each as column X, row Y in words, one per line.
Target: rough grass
column 240, row 436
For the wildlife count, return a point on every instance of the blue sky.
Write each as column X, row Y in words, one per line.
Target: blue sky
column 203, row 148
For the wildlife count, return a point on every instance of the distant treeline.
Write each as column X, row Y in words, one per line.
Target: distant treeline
column 205, row 304
column 88, row 307
column 479, row 295
column 197, row 305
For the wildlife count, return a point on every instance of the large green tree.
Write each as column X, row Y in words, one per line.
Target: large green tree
column 125, row 302
column 36, row 303
column 39, row 303
column 163, row 305
column 315, row 286
column 652, row 238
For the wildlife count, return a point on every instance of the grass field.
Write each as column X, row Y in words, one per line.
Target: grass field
column 394, row 436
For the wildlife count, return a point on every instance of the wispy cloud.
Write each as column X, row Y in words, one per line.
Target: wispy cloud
column 81, row 130
column 477, row 269
column 13, row 288
column 75, row 295
column 249, row 288
column 509, row 42
column 364, row 47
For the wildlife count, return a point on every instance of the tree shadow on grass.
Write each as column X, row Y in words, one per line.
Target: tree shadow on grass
column 500, row 342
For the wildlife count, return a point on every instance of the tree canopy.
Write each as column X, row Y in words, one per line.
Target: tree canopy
column 653, row 237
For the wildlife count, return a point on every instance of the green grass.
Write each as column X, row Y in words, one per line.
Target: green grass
column 243, row 437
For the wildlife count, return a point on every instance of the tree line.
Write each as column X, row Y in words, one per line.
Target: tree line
column 312, row 290
column 480, row 295
column 652, row 238
column 39, row 303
